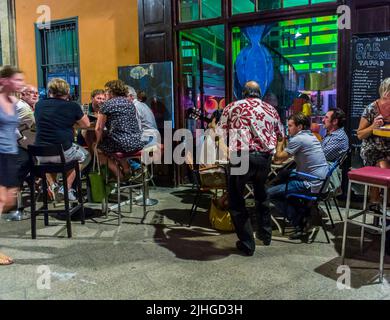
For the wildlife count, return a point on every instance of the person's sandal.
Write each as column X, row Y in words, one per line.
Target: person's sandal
column 5, row 261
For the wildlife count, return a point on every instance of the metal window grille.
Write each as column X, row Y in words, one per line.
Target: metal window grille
column 60, row 56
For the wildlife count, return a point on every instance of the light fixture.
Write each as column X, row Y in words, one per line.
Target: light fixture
column 301, row 61
column 298, row 34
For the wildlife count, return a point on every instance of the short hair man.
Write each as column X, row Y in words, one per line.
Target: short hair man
column 26, row 131
column 98, row 98
column 309, row 158
column 261, row 127
column 336, row 142
column 146, row 119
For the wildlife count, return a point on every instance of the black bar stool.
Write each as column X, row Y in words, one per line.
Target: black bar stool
column 39, row 170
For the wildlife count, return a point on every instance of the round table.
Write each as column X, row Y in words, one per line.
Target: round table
column 385, row 133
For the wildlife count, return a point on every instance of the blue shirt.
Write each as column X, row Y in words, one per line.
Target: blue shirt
column 8, row 126
column 309, row 157
column 335, row 145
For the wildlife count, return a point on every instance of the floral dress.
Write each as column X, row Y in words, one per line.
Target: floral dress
column 123, row 132
column 374, row 148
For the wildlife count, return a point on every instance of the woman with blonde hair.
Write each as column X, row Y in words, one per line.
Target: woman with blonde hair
column 11, row 81
column 376, row 150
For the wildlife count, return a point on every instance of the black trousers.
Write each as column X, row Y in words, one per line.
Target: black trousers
column 259, row 168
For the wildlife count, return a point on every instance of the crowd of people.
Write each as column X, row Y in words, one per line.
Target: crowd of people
column 118, row 120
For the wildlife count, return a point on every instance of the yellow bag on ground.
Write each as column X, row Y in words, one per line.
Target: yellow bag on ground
column 220, row 219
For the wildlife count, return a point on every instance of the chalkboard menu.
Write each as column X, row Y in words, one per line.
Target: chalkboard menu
column 370, row 65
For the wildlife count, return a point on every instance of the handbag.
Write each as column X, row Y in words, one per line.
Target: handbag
column 97, row 181
column 220, row 219
column 213, row 178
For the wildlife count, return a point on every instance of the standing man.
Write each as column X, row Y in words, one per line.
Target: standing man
column 260, row 125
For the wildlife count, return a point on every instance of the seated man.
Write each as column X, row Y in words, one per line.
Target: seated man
column 336, row 142
column 26, row 131
column 146, row 122
column 309, row 158
column 97, row 100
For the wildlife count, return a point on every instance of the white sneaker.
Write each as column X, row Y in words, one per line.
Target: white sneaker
column 71, row 195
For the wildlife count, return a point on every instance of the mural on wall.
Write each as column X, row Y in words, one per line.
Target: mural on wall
column 254, row 61
column 156, row 80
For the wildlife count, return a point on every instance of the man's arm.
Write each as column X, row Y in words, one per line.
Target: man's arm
column 281, row 155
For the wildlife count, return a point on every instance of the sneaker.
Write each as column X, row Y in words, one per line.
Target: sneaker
column 244, row 249
column 266, row 240
column 53, row 191
column 71, row 195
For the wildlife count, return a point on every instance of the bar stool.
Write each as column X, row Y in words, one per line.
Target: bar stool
column 369, row 177
column 39, row 170
column 146, row 158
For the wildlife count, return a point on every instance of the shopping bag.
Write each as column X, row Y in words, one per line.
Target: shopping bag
column 97, row 181
column 213, row 178
column 220, row 219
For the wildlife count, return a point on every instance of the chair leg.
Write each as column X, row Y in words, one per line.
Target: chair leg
column 194, row 207
column 383, row 236
column 144, row 193
column 329, row 213
column 80, row 194
column 346, row 223
column 119, row 194
column 33, row 208
column 45, row 201
column 67, row 208
column 338, row 208
column 324, row 228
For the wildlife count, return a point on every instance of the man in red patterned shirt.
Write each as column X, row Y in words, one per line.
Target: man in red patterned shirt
column 253, row 127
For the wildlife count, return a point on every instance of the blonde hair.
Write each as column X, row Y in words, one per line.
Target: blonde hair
column 58, row 87
column 384, row 89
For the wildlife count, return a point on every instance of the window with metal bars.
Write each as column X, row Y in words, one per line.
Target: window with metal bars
column 58, row 55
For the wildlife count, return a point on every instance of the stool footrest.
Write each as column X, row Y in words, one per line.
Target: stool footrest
column 365, row 225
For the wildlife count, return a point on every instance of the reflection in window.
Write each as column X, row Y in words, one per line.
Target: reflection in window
column 294, row 3
column 289, row 59
column 246, row 6
column 189, row 10
column 202, row 65
column 192, row 10
column 243, row 6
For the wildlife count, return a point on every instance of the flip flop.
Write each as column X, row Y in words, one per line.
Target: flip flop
column 5, row 261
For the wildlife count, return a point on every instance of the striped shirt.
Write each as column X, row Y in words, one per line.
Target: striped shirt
column 335, row 145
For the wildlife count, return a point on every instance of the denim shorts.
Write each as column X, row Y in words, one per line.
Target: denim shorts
column 74, row 153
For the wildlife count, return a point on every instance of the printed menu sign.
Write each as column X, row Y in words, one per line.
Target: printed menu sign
column 370, row 66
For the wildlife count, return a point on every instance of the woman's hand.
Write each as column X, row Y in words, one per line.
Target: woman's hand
column 378, row 122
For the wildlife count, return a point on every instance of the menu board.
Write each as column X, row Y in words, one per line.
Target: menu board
column 370, row 65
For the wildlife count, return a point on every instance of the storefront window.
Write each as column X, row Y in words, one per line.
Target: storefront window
column 192, row 10
column 202, row 65
column 294, row 62
column 246, row 6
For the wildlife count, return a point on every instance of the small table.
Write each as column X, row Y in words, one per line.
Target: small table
column 382, row 132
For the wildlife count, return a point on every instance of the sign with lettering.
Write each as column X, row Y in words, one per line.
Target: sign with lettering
column 370, row 65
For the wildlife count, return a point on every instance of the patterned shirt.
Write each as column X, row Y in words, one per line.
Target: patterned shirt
column 251, row 125
column 374, row 148
column 335, row 145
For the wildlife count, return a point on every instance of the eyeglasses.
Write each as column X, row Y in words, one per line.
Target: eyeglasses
column 32, row 92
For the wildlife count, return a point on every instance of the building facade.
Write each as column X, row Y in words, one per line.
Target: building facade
column 7, row 33
column 85, row 42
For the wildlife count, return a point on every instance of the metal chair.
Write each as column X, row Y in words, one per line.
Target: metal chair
column 309, row 199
